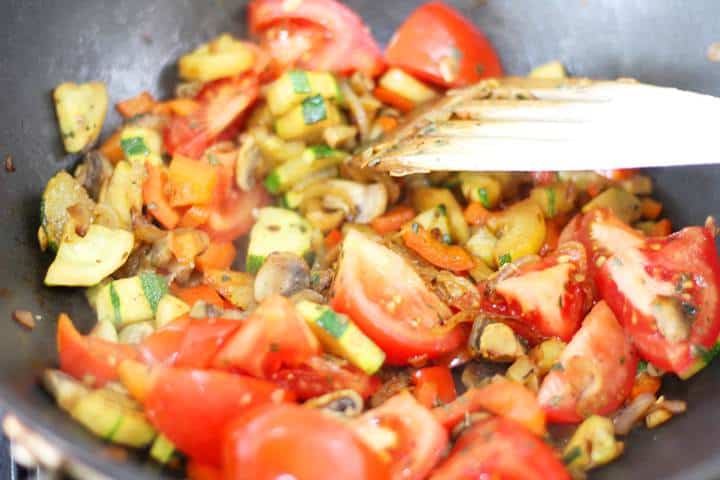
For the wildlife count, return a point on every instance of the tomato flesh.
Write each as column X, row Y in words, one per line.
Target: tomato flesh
column 434, row 386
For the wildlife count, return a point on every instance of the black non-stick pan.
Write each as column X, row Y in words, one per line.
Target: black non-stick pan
column 132, row 45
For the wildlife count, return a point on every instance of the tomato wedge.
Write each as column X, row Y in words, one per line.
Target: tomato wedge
column 193, row 407
column 549, row 297
column 89, row 358
column 500, row 448
column 222, row 103
column 434, row 386
column 320, row 34
column 438, row 44
column 273, row 336
column 595, row 373
column 664, row 290
column 388, row 301
column 418, row 440
column 293, row 442
column 231, row 217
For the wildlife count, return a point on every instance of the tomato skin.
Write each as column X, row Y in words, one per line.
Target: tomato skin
column 433, row 386
column 421, row 440
column 681, row 268
column 232, row 218
column 85, row 357
column 289, row 441
column 500, row 448
column 344, row 45
column 390, row 303
column 438, row 44
column 163, row 346
column 273, row 336
column 596, row 371
column 203, row 339
column 193, row 407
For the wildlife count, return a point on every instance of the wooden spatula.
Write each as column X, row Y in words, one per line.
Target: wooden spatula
column 521, row 124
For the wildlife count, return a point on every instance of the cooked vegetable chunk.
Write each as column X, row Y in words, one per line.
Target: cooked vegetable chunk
column 62, row 192
column 277, row 230
column 81, row 110
column 223, row 57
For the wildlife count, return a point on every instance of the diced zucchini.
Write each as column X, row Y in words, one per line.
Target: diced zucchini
column 520, row 230
column 547, row 354
column 339, row 335
column 131, row 300
column 550, row 70
column 308, row 120
column 169, row 308
column 65, row 389
column 555, row 199
column 223, row 57
column 315, row 158
column 623, row 203
column 81, row 110
column 274, row 149
column 295, row 86
column 141, row 145
column 593, row 444
column 477, row 187
column 425, row 198
column 277, row 230
column 482, row 245
column 62, row 191
column 162, row 449
column 524, row 372
column 85, row 261
column 407, row 86
column 435, row 218
column 124, row 192
column 113, row 417
column 105, row 331
column 135, row 333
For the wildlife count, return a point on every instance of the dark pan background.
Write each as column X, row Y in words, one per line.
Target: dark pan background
column 132, row 45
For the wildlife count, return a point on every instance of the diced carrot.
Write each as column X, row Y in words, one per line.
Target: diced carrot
column 179, row 106
column 218, row 256
column 449, row 257
column 645, row 383
column 112, row 149
column 618, row 174
column 191, row 182
column 192, row 295
column 333, row 237
column 194, row 217
column 662, row 228
column 154, row 197
column 650, row 208
column 388, row 123
column 143, row 103
column 393, row 99
column 187, row 244
column 393, row 220
column 476, row 214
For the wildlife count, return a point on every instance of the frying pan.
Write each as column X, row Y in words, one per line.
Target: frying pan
column 132, row 46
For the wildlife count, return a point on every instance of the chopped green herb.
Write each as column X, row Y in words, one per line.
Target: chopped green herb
column 551, row 201
column 154, row 287
column 442, row 209
column 115, row 302
column 134, row 146
column 300, row 81
column 333, row 323
column 642, row 366
column 272, row 182
column 322, row 151
column 254, row 262
column 483, row 196
column 572, row 455
column 314, row 278
column 314, row 110
column 506, row 258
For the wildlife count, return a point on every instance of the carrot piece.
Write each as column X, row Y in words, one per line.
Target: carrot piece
column 187, row 244
column 154, row 197
column 112, row 149
column 393, row 99
column 650, row 208
column 476, row 214
column 618, row 174
column 191, row 182
column 218, row 256
column 194, row 217
column 192, row 295
column 663, row 228
column 333, row 237
column 388, row 123
column 393, row 220
column 143, row 103
column 449, row 257
column 179, row 106
column 645, row 383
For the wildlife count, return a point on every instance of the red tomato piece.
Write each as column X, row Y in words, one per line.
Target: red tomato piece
column 89, row 358
column 419, row 440
column 595, row 373
column 200, row 471
column 193, row 407
column 438, row 44
column 434, row 386
column 222, row 103
column 548, row 297
column 664, row 290
column 232, row 218
column 320, row 375
column 501, row 397
column 289, row 441
column 163, row 346
column 500, row 448
column 343, row 43
column 203, row 339
column 389, row 301
column 273, row 336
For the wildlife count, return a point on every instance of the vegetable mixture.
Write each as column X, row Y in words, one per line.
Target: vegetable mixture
column 331, row 349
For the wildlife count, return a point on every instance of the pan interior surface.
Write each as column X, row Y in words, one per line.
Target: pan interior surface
column 132, row 46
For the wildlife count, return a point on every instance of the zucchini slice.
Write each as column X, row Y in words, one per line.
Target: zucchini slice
column 313, row 159
column 131, row 300
column 295, row 86
column 277, row 230
column 223, row 57
column 81, row 110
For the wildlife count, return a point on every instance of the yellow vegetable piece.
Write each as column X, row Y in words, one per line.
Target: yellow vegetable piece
column 551, row 70
column 426, row 198
column 81, row 110
column 592, row 445
column 223, row 57
column 520, row 230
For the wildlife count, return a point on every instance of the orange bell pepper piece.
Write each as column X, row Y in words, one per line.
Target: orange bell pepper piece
column 187, row 244
column 192, row 295
column 645, row 383
column 218, row 256
column 388, row 123
column 143, row 103
column 154, row 197
column 393, row 220
column 663, row 228
column 178, row 106
column 448, row 257
column 112, row 149
column 333, row 237
column 191, row 182
column 476, row 214
column 393, row 99
column 650, row 208
column 194, row 217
